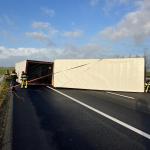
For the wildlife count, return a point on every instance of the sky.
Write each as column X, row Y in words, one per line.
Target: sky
column 73, row 29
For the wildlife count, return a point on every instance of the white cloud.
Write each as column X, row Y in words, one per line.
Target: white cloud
column 6, row 20
column 44, row 33
column 7, row 53
column 13, row 55
column 135, row 25
column 111, row 6
column 123, row 1
column 37, row 36
column 51, row 31
column 92, row 47
column 40, row 25
column 73, row 34
column 85, row 51
column 94, row 2
column 48, row 12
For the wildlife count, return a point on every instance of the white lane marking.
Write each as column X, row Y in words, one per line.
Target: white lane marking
column 121, row 95
column 140, row 132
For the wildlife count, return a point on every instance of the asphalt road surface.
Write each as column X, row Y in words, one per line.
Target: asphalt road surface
column 44, row 119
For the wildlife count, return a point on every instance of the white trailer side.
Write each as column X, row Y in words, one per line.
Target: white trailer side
column 126, row 74
column 19, row 67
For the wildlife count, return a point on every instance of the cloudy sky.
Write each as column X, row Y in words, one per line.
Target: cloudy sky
column 54, row 29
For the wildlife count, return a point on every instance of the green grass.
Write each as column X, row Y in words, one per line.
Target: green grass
column 4, row 87
column 4, row 99
column 3, row 70
column 148, row 74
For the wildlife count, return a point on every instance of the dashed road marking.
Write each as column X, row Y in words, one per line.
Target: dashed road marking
column 140, row 132
column 120, row 95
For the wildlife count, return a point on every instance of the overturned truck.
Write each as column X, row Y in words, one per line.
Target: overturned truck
column 122, row 74
column 38, row 72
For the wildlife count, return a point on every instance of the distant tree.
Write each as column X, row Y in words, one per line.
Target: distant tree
column 116, row 56
column 137, row 56
column 130, row 56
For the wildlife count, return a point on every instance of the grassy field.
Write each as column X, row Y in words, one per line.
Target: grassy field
column 3, row 70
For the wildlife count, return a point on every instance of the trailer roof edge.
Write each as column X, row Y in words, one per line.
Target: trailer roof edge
column 37, row 61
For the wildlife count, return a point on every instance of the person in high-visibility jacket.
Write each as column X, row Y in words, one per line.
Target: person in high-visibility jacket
column 147, row 86
column 24, row 82
column 13, row 77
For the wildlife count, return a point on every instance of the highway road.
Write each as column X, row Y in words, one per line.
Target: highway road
column 67, row 119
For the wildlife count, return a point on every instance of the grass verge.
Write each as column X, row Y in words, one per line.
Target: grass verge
column 148, row 74
column 4, row 99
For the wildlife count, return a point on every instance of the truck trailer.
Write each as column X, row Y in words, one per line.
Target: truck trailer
column 120, row 74
column 38, row 72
